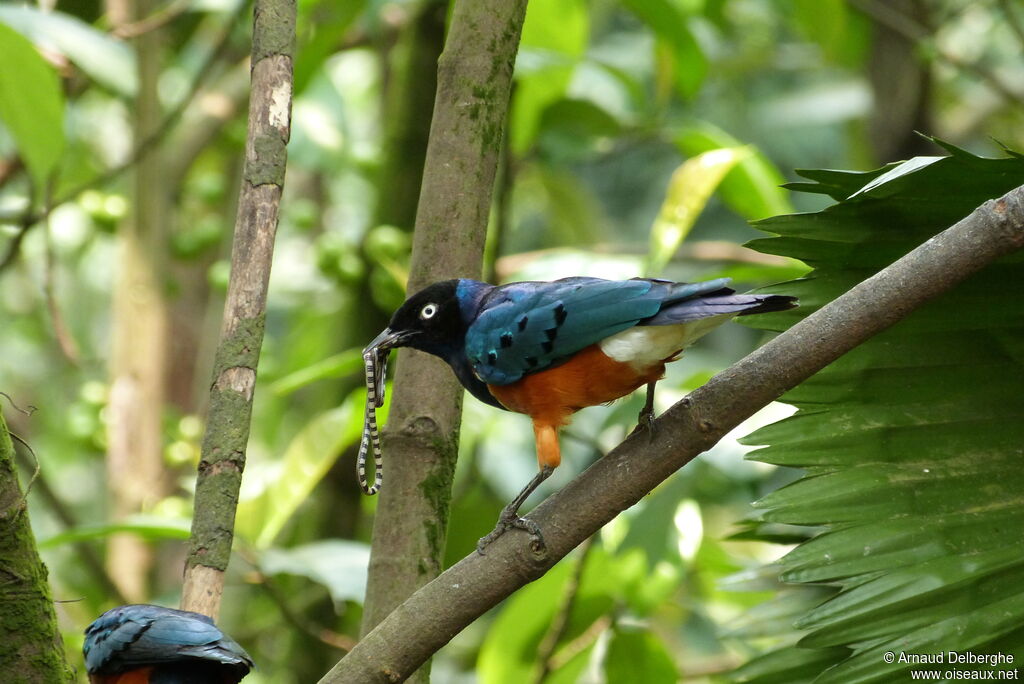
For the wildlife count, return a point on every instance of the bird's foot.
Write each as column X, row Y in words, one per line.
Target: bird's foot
column 645, row 422
column 508, row 520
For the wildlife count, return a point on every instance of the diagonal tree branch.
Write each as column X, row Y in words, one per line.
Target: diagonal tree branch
column 438, row 611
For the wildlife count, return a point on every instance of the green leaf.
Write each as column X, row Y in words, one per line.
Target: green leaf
column 840, row 33
column 104, row 58
column 561, row 26
column 509, row 651
column 689, row 190
column 753, row 188
column 338, row 564
column 555, row 36
column 911, row 442
column 336, row 366
column 573, row 213
column 145, row 526
column 689, row 65
column 788, row 666
column 31, row 105
column 638, row 656
column 306, row 460
column 573, row 128
column 900, row 170
column 320, row 27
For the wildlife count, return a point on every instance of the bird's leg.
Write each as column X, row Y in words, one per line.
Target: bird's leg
column 645, row 421
column 510, row 519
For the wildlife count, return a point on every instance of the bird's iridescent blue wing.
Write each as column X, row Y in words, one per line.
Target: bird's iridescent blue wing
column 527, row 327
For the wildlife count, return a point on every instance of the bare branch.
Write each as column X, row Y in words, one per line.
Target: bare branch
column 234, row 373
column 438, row 611
column 65, row 340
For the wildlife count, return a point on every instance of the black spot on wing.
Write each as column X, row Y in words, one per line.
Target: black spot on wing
column 551, row 333
column 521, row 323
column 531, row 361
column 547, row 346
column 560, row 313
column 492, row 357
column 506, row 340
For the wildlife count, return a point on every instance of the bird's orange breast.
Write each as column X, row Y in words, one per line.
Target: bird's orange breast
column 589, row 378
column 137, row 676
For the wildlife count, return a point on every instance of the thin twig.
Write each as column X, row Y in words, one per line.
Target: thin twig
column 36, row 468
column 158, row 19
column 560, row 622
column 66, row 342
column 585, row 440
column 28, row 412
column 582, row 642
column 1013, row 20
column 9, row 168
column 25, row 221
column 322, row 634
column 84, row 552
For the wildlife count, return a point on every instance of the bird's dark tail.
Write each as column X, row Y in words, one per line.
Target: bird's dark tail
column 723, row 301
column 767, row 303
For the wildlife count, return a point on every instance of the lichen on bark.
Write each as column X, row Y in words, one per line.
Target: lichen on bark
column 234, row 376
column 32, row 650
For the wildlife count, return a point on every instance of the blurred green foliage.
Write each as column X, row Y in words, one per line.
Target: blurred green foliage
column 610, row 100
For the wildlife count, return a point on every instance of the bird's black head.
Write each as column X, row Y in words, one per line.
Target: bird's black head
column 430, row 321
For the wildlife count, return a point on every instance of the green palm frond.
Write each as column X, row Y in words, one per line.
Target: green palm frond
column 912, row 444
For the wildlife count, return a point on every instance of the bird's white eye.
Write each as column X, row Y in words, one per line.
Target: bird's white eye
column 428, row 311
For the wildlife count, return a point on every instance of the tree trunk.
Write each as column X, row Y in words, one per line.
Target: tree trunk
column 135, row 469
column 421, row 437
column 234, row 373
column 902, row 85
column 32, row 648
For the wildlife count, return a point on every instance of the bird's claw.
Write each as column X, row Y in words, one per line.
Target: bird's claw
column 645, row 421
column 508, row 520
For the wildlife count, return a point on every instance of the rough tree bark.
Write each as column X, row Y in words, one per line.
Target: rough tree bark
column 421, row 437
column 408, row 110
column 234, row 372
column 32, row 650
column 135, row 471
column 438, row 611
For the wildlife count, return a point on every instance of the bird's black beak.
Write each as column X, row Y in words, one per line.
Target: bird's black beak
column 376, row 356
column 387, row 340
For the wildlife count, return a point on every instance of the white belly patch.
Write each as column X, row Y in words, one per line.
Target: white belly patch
column 645, row 345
